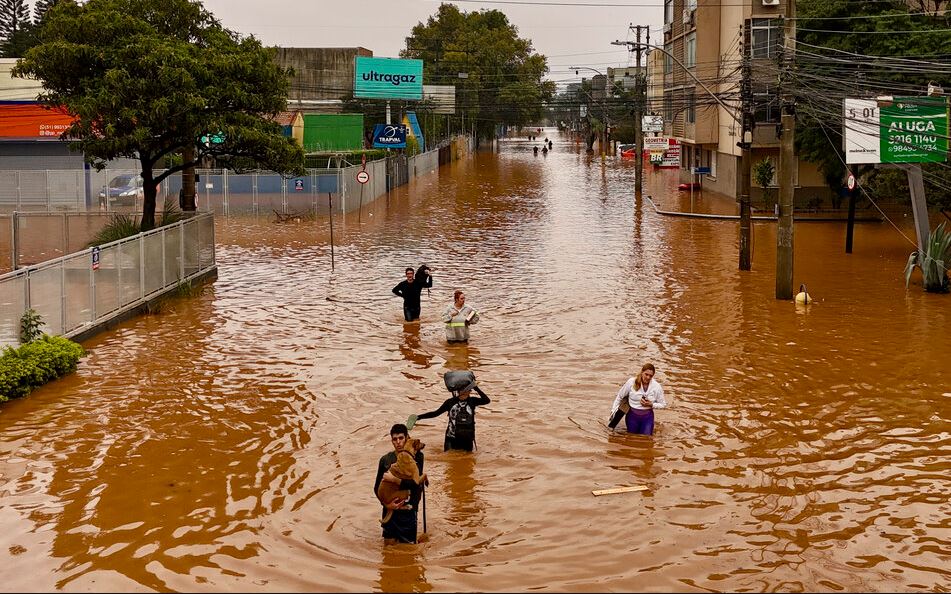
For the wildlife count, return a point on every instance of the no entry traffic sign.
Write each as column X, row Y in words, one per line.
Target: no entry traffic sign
column 363, row 177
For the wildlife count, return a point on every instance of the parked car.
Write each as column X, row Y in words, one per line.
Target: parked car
column 126, row 189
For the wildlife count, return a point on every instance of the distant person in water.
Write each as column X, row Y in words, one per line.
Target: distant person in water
column 535, row 150
column 410, row 290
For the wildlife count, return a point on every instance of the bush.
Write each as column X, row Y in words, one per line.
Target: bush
column 121, row 226
column 31, row 326
column 34, row 364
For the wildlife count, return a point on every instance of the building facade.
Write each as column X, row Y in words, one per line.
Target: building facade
column 707, row 43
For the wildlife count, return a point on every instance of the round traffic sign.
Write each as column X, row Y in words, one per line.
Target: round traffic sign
column 363, row 177
column 851, row 182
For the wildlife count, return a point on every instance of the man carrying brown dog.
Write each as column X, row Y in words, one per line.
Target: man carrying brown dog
column 402, row 526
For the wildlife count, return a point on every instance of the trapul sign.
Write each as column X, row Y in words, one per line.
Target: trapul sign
column 389, row 136
column 387, row 78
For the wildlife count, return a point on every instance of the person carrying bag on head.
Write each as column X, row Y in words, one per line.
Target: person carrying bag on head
column 460, row 432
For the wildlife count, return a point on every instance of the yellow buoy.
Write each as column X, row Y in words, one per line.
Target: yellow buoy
column 802, row 296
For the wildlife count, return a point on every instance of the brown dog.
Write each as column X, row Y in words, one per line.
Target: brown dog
column 404, row 468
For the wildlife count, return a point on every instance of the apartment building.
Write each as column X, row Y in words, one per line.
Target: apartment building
column 706, row 43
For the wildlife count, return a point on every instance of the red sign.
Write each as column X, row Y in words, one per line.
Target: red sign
column 32, row 120
column 851, row 182
column 363, row 177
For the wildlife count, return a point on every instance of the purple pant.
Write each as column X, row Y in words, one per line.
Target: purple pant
column 640, row 421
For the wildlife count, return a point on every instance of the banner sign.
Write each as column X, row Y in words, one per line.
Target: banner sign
column 388, row 78
column 19, row 119
column 441, row 97
column 896, row 130
column 389, row 136
column 650, row 123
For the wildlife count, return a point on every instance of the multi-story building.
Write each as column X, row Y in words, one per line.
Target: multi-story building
column 708, row 43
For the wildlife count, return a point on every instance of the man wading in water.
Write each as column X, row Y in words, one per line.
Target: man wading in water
column 410, row 289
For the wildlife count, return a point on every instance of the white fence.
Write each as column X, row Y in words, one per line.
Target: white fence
column 72, row 294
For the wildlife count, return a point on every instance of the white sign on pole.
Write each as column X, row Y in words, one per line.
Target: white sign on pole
column 363, row 177
column 651, row 123
column 656, row 143
column 862, row 133
column 851, row 182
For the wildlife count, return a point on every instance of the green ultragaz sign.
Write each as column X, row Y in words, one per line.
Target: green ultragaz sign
column 388, row 78
column 914, row 130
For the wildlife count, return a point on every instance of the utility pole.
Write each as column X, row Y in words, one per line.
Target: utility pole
column 746, row 146
column 639, row 89
column 787, row 164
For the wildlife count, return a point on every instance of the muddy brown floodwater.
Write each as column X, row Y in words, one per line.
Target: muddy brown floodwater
column 230, row 444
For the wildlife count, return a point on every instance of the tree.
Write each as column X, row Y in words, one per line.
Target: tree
column 14, row 24
column 41, row 8
column 503, row 83
column 147, row 79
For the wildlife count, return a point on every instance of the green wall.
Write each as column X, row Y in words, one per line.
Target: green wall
column 333, row 131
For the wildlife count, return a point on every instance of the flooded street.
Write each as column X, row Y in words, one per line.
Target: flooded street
column 231, row 443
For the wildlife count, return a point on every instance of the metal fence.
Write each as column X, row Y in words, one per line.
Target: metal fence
column 219, row 190
column 73, row 294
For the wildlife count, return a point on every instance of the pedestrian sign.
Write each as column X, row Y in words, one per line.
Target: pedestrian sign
column 95, row 258
column 298, row 185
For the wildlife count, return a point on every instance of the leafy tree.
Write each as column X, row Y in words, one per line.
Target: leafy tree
column 504, row 75
column 838, row 26
column 14, row 25
column 41, row 8
column 147, row 79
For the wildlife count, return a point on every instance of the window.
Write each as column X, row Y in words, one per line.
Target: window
column 668, row 11
column 668, row 58
column 765, row 38
column 691, row 108
column 766, row 105
column 668, row 108
column 690, row 51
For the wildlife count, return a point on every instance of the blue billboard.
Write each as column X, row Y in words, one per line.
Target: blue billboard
column 388, row 78
column 389, row 136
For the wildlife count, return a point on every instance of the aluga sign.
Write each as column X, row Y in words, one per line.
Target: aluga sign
column 388, row 78
column 896, row 130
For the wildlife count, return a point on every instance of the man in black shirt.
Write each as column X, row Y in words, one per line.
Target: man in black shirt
column 410, row 289
column 402, row 526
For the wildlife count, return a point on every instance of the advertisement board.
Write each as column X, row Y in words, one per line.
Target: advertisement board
column 652, row 123
column 441, row 97
column 389, row 136
column 896, row 130
column 32, row 120
column 656, row 143
column 387, row 78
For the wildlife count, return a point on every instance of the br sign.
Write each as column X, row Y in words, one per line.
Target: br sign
column 388, row 78
column 389, row 136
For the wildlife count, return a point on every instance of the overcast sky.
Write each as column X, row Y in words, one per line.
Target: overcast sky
column 570, row 35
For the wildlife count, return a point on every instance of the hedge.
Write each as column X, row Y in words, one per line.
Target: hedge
column 36, row 363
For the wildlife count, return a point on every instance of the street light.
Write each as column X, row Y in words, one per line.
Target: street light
column 604, row 115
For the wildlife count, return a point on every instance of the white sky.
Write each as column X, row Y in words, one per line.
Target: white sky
column 568, row 35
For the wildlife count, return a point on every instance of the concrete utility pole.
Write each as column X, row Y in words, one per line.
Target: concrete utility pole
column 787, row 164
column 639, row 91
column 746, row 145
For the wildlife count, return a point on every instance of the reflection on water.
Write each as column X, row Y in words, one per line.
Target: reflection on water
column 232, row 443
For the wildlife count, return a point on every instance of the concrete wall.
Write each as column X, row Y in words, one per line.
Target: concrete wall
column 16, row 89
column 321, row 73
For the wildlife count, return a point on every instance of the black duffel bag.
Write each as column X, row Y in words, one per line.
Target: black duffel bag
column 458, row 381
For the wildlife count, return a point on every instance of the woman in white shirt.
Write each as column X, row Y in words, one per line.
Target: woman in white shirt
column 636, row 401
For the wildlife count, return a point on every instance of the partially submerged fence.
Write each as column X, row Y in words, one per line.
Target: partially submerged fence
column 77, row 292
column 223, row 191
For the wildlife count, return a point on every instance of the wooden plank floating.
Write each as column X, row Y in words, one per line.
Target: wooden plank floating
column 618, row 490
